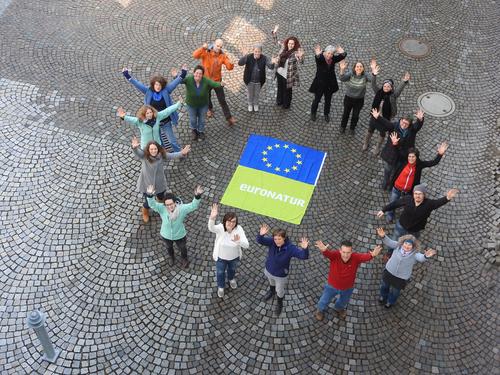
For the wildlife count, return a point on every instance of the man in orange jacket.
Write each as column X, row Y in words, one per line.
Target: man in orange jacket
column 212, row 58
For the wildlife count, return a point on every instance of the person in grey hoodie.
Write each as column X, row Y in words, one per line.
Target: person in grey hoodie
column 152, row 169
column 398, row 269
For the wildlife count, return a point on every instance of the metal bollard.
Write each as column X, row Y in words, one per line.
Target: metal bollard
column 36, row 320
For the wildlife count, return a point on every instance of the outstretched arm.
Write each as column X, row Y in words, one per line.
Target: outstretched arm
column 169, row 110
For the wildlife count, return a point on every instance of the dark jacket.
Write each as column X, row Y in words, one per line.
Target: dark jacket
column 419, row 165
column 278, row 258
column 414, row 218
column 394, row 155
column 325, row 80
column 249, row 64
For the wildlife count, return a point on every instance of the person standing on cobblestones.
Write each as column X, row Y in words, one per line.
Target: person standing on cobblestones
column 343, row 267
column 172, row 216
column 416, row 210
column 401, row 139
column 230, row 238
column 157, row 95
column 287, row 73
column 408, row 175
column 197, row 93
column 152, row 158
column 325, row 81
column 280, row 252
column 212, row 58
column 399, row 268
column 385, row 101
column 354, row 99
column 254, row 74
column 148, row 121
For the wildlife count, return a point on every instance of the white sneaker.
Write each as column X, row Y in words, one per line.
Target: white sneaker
column 256, row 108
column 220, row 292
column 250, row 108
column 232, row 284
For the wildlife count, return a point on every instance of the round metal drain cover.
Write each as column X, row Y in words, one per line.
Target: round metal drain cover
column 436, row 104
column 414, row 48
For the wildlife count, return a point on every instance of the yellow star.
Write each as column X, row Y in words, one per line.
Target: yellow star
column 269, row 165
column 299, row 162
column 286, row 146
column 277, row 169
column 298, row 156
column 277, row 145
column 294, row 150
column 287, row 170
column 264, row 159
column 269, row 147
column 264, row 152
column 294, row 167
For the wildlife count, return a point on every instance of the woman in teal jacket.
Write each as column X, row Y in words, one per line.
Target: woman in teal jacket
column 172, row 221
column 148, row 121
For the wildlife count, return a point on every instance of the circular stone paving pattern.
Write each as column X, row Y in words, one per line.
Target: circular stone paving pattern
column 414, row 48
column 436, row 104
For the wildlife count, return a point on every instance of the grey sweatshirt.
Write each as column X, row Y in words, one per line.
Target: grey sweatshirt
column 356, row 85
column 399, row 265
column 152, row 173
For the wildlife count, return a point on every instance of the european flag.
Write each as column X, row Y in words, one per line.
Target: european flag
column 282, row 158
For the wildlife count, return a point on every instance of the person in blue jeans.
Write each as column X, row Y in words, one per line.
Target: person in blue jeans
column 157, row 95
column 399, row 268
column 230, row 238
column 343, row 267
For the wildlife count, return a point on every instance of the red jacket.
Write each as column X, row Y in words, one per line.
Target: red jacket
column 342, row 275
column 212, row 62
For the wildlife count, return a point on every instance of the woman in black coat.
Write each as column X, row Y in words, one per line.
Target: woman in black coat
column 325, row 81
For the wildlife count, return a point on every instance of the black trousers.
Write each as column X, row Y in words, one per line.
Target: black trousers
column 181, row 245
column 221, row 97
column 354, row 105
column 284, row 95
column 317, row 99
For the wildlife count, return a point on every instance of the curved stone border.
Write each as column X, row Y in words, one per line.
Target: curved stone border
column 414, row 48
column 436, row 104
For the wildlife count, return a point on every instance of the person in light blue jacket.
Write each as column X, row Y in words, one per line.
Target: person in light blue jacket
column 157, row 95
column 398, row 269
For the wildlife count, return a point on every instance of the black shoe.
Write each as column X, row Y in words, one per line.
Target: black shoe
column 270, row 293
column 327, row 118
column 201, row 135
column 342, row 130
column 279, row 306
column 194, row 135
column 387, row 305
column 382, row 300
column 313, row 116
column 171, row 261
column 351, row 131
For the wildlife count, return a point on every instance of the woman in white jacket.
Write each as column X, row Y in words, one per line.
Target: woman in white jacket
column 229, row 240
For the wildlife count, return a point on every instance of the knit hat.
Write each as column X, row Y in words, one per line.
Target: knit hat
column 422, row 188
column 390, row 82
column 410, row 241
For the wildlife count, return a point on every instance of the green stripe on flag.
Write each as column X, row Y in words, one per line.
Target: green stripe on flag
column 268, row 194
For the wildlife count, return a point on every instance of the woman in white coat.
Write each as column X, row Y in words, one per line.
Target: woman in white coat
column 229, row 240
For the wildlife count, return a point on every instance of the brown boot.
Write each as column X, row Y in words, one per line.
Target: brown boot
column 210, row 113
column 319, row 315
column 379, row 145
column 342, row 314
column 366, row 143
column 145, row 214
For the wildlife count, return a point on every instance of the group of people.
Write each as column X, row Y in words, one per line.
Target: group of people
column 157, row 118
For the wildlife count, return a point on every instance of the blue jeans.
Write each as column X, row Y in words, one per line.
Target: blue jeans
column 168, row 131
column 389, row 293
column 394, row 195
column 329, row 292
column 221, row 265
column 197, row 117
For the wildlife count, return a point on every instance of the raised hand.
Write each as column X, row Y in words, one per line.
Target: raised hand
column 406, row 77
column 304, row 243
column 419, row 114
column 373, row 64
column 184, row 67
column 430, row 253
column 205, row 45
column 375, row 113
column 376, row 251
column 236, row 238
column 214, row 211
column 150, row 190
column 381, row 232
column 380, row 214
column 174, row 72
column 275, row 30
column 300, row 53
column 186, row 150
column 375, row 69
column 342, row 65
column 264, row 228
column 135, row 142
column 124, row 70
column 321, row 246
column 394, row 138
column 442, row 148
column 339, row 50
column 274, row 60
column 452, row 193
column 198, row 190
column 120, row 112
column 317, row 49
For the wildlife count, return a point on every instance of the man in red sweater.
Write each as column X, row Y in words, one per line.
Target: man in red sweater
column 343, row 266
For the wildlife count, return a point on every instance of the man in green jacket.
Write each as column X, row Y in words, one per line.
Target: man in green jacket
column 172, row 221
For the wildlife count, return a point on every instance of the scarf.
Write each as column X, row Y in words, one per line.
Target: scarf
column 175, row 214
column 404, row 132
column 384, row 97
column 157, row 96
column 150, row 122
column 285, row 55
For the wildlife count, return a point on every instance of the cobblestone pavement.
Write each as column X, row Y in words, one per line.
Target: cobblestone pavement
column 73, row 243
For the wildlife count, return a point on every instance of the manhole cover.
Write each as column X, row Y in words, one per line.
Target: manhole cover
column 436, row 104
column 414, row 48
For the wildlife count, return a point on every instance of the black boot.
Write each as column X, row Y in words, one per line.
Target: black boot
column 313, row 116
column 270, row 293
column 279, row 306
